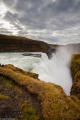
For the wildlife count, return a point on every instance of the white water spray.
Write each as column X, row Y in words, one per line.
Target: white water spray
column 57, row 69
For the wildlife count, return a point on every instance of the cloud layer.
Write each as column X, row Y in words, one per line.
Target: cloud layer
column 54, row 21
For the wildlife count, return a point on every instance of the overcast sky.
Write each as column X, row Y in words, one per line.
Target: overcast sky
column 53, row 21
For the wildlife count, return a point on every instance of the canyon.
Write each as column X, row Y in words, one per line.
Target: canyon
column 22, row 44
column 24, row 96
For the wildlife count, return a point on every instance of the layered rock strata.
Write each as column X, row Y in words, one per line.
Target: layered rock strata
column 21, row 44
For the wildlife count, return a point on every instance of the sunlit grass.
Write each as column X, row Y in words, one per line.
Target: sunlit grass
column 55, row 104
column 3, row 97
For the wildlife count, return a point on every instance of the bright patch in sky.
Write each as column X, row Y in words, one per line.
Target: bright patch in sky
column 6, row 24
column 56, row 21
column 3, row 10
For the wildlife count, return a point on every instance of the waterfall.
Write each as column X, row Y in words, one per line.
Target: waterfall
column 57, row 69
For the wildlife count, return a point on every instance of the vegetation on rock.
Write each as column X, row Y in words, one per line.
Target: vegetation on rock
column 3, row 97
column 46, row 101
column 28, row 113
column 75, row 68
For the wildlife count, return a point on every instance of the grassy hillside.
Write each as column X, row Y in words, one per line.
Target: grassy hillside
column 33, row 99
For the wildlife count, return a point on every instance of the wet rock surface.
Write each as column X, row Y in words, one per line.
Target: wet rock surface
column 75, row 70
column 33, row 55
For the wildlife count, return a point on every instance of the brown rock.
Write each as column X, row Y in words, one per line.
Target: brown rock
column 31, row 98
column 21, row 44
column 75, row 70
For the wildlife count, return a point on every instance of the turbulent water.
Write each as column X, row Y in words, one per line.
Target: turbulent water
column 56, row 70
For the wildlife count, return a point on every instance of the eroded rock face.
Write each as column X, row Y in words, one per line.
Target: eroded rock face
column 15, row 101
column 30, row 54
column 21, row 44
column 34, row 99
column 75, row 70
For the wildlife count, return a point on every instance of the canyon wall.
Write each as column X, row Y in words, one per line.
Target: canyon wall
column 21, row 44
column 75, row 70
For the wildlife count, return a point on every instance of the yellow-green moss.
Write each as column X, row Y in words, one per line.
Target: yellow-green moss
column 28, row 113
column 75, row 70
column 3, row 97
column 8, row 83
column 55, row 104
column 18, row 90
column 16, row 69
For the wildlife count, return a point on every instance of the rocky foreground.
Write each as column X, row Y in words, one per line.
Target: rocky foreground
column 24, row 97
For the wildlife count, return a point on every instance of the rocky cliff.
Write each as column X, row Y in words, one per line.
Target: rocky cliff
column 21, row 44
column 24, row 97
column 75, row 70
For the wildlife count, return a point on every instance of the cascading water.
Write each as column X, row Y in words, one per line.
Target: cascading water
column 55, row 70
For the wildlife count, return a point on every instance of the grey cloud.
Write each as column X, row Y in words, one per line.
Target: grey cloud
column 64, row 5
column 38, row 15
column 37, row 5
column 4, row 31
column 13, row 19
column 10, row 3
column 11, row 16
column 31, row 12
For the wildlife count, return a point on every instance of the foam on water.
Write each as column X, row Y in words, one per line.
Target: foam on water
column 56, row 70
column 18, row 60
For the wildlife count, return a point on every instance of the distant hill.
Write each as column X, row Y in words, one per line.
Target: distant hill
column 22, row 44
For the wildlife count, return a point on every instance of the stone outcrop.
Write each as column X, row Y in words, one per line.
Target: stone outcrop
column 31, row 54
column 75, row 70
column 54, row 47
column 25, row 97
column 21, row 44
